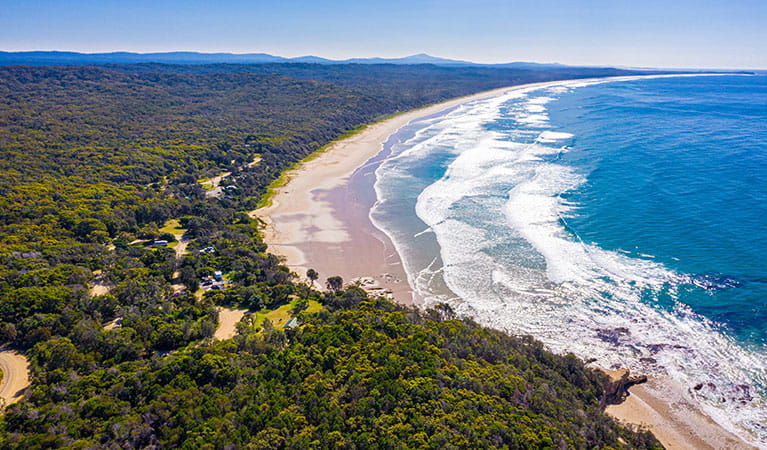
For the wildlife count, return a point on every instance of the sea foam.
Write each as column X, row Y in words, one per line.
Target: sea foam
column 499, row 217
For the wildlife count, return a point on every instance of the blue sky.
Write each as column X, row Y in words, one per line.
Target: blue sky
column 650, row 33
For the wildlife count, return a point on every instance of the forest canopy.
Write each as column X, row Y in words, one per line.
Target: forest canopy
column 108, row 231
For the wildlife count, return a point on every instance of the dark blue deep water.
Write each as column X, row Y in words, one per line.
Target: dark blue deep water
column 622, row 220
column 676, row 168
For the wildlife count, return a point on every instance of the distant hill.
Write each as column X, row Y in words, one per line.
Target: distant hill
column 59, row 58
column 421, row 58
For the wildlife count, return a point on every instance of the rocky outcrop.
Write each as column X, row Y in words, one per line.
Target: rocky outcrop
column 615, row 388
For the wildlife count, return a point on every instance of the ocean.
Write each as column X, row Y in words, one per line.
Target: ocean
column 621, row 220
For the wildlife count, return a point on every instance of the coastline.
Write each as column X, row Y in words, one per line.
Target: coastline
column 320, row 219
column 317, row 216
column 660, row 406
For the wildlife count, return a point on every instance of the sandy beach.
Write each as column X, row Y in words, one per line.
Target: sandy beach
column 319, row 220
column 660, row 406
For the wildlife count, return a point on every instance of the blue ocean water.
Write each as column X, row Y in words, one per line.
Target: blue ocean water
column 684, row 179
column 621, row 220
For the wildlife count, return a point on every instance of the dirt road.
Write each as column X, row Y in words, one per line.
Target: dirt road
column 15, row 369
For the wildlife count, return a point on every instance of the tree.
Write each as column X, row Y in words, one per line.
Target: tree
column 57, row 353
column 167, row 237
column 299, row 306
column 188, row 276
column 335, row 283
column 312, row 275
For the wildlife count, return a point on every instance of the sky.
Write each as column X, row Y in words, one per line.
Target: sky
column 635, row 33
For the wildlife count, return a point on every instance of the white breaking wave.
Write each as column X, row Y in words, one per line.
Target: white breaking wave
column 548, row 137
column 498, row 217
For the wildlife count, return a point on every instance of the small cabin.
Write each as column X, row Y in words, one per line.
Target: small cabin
column 292, row 323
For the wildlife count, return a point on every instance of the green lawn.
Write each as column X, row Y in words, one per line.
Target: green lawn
column 173, row 227
column 281, row 315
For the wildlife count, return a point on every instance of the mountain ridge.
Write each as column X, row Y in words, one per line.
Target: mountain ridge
column 56, row 57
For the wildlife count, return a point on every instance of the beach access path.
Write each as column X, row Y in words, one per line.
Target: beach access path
column 100, row 286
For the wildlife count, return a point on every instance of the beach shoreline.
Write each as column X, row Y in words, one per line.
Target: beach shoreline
column 320, row 219
column 660, row 406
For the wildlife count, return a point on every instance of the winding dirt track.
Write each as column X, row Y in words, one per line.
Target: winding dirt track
column 15, row 369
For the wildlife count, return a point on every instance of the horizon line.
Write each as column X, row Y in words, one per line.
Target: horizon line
column 248, row 53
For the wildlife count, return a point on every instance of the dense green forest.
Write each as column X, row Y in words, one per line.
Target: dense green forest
column 359, row 374
column 399, row 87
column 94, row 161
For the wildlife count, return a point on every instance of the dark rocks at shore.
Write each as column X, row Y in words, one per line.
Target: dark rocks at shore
column 740, row 393
column 612, row 336
column 615, row 389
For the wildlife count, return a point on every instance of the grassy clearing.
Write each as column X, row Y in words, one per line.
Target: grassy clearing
column 173, row 227
column 314, row 306
column 281, row 315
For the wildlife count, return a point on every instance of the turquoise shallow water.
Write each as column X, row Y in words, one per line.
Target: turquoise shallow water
column 620, row 220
